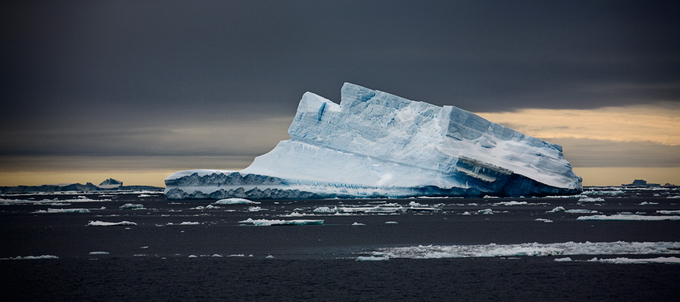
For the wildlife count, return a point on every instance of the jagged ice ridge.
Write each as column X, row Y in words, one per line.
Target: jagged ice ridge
column 375, row 144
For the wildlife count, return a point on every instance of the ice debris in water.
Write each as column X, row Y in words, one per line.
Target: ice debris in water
column 372, row 258
column 41, row 257
column 273, row 222
column 565, row 259
column 235, row 201
column 591, row 199
column 375, row 144
column 530, row 249
column 628, row 217
column 52, row 211
column 669, row 212
column 185, row 223
column 543, row 220
column 104, row 223
column 132, row 206
column 623, row 260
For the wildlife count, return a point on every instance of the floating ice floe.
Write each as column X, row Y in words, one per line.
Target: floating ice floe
column 644, row 203
column 556, row 209
column 41, row 257
column 268, row 222
column 485, row 212
column 391, row 222
column 372, row 258
column 543, row 220
column 104, row 223
column 293, row 214
column 530, row 249
column 518, row 203
column 358, row 224
column 591, row 199
column 185, row 223
column 99, row 253
column 255, row 209
column 623, row 260
column 628, row 217
column 669, row 212
column 603, row 192
column 132, row 206
column 52, row 211
column 235, row 201
column 565, row 259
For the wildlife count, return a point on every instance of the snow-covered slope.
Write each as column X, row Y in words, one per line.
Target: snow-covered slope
column 377, row 144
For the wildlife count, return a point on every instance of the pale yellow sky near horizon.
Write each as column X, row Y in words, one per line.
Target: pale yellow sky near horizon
column 657, row 123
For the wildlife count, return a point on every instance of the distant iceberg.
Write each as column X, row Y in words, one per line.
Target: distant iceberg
column 375, row 144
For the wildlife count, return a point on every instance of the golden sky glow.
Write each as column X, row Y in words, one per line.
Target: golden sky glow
column 659, row 123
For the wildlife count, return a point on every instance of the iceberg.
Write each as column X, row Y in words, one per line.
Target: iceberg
column 375, row 144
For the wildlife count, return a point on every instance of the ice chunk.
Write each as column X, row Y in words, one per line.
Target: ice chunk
column 565, row 259
column 591, row 199
column 628, row 217
column 73, row 210
column 104, row 223
column 375, row 144
column 530, row 249
column 623, row 260
column 235, row 201
column 185, row 223
column 268, row 222
column 669, row 212
column 372, row 258
column 132, row 206
column 41, row 257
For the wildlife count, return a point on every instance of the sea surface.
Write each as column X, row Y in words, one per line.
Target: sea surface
column 607, row 244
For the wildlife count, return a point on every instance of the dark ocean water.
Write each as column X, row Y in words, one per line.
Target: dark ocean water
column 215, row 257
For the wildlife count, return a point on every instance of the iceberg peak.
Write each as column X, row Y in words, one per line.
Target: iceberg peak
column 376, row 144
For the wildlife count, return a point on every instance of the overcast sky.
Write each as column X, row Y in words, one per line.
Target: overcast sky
column 163, row 85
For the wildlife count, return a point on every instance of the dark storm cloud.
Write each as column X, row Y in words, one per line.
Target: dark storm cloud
column 103, row 76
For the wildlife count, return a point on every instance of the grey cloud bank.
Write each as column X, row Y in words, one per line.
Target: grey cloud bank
column 129, row 78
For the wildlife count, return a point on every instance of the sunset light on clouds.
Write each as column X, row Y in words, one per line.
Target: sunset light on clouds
column 657, row 123
column 137, row 90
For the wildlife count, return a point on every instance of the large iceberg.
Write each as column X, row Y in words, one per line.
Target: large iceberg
column 375, row 144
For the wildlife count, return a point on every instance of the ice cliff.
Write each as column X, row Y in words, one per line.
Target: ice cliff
column 375, row 144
